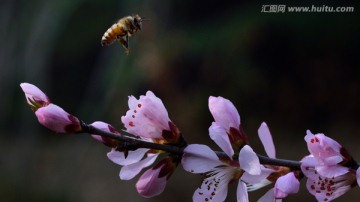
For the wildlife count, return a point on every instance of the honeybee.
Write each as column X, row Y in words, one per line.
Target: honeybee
column 122, row 30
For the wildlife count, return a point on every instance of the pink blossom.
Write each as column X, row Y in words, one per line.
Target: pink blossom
column 227, row 133
column 220, row 172
column 148, row 120
column 147, row 117
column 327, row 177
column 327, row 153
column 105, row 140
column 56, row 119
column 323, row 188
column 34, row 96
column 226, row 130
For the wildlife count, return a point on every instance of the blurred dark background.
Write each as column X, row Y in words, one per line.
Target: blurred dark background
column 295, row 71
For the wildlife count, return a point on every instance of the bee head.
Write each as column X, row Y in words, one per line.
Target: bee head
column 137, row 21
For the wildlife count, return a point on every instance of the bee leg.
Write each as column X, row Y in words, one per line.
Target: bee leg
column 127, row 50
column 124, row 42
column 127, row 40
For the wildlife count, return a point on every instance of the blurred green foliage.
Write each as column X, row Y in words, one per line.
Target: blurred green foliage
column 296, row 71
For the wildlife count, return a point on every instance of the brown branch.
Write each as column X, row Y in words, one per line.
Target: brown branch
column 133, row 143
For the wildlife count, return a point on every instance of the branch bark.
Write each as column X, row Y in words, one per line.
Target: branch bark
column 137, row 143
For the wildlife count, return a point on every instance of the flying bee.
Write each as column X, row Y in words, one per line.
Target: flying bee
column 122, row 30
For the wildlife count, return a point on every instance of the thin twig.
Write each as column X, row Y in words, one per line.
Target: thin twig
column 178, row 150
column 136, row 143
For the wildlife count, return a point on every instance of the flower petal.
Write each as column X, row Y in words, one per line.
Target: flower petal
column 215, row 187
column 133, row 156
column 268, row 196
column 332, row 171
column 155, row 109
column 34, row 93
column 308, row 136
column 224, row 112
column 308, row 167
column 327, row 189
column 249, row 161
column 241, row 193
column 199, row 159
column 266, row 139
column 146, row 117
column 140, row 125
column 324, row 149
column 287, row 184
column 131, row 170
column 219, row 135
column 257, row 181
column 150, row 184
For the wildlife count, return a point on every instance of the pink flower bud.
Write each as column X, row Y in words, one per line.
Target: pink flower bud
column 56, row 119
column 34, row 96
column 105, row 140
column 153, row 181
